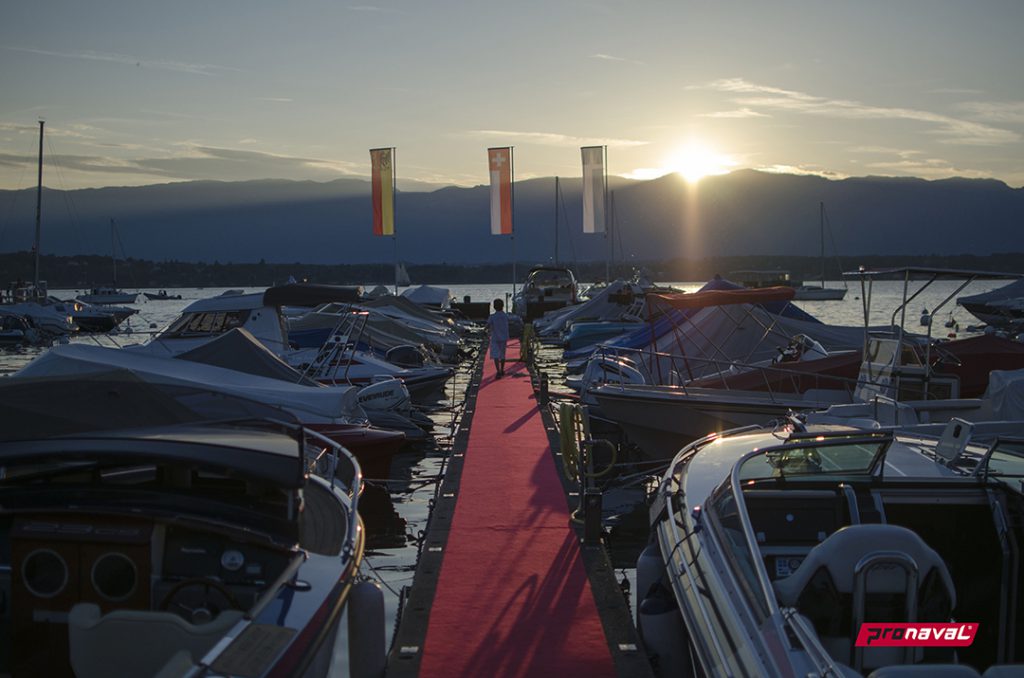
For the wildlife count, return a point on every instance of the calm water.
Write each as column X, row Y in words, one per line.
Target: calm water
column 395, row 510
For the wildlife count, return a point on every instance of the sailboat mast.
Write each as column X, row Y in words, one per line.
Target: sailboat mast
column 556, row 221
column 113, row 251
column 821, row 225
column 39, row 208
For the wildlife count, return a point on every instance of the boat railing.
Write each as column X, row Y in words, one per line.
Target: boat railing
column 685, row 371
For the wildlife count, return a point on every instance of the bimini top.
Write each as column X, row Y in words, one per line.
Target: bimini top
column 310, row 295
column 924, row 272
column 723, row 297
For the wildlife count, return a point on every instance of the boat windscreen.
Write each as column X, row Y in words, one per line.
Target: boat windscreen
column 1005, row 462
column 815, row 457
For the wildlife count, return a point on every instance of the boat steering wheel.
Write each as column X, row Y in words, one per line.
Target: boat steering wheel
column 207, row 609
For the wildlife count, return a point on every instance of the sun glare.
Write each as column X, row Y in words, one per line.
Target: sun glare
column 696, row 161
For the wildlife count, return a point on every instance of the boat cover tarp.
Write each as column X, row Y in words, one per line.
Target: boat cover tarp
column 238, row 350
column 723, row 297
column 310, row 295
column 430, row 296
column 1006, row 393
column 608, row 304
column 107, row 400
column 1011, row 292
column 311, row 404
column 645, row 333
column 407, row 306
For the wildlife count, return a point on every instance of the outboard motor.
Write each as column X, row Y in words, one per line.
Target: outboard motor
column 389, row 395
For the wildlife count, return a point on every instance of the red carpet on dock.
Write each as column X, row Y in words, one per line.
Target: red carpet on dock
column 513, row 598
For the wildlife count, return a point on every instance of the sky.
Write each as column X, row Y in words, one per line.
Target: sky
column 150, row 92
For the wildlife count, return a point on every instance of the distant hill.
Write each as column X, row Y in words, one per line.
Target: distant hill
column 742, row 213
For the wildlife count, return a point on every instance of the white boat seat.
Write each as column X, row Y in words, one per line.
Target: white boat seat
column 1004, row 671
column 931, row 670
column 137, row 643
column 861, row 561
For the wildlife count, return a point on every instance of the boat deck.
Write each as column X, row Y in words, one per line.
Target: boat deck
column 503, row 586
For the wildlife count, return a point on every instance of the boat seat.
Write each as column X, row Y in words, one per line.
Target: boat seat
column 931, row 670
column 868, row 569
column 135, row 643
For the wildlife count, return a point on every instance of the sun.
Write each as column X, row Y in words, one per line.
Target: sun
column 695, row 161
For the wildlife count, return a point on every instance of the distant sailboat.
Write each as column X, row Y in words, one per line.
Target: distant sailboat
column 110, row 295
column 820, row 292
column 401, row 276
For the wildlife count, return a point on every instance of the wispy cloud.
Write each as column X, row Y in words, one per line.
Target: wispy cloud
column 549, row 139
column 953, row 130
column 929, row 168
column 126, row 59
column 996, row 111
column 737, row 113
column 884, row 150
column 375, row 8
column 801, row 170
column 200, row 162
column 611, row 57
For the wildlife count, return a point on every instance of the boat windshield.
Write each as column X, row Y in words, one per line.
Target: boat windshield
column 206, row 323
column 1005, row 462
column 818, row 456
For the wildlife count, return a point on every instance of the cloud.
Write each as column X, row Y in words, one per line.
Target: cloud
column 201, row 163
column 929, row 168
column 952, row 130
column 125, row 59
column 375, row 8
column 549, row 139
column 801, row 170
column 996, row 111
column 609, row 57
column 738, row 113
column 884, row 150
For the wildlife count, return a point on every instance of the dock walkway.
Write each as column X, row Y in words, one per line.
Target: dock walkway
column 510, row 594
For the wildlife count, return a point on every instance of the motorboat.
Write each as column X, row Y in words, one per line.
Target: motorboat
column 774, row 550
column 334, row 412
column 108, row 295
column 93, row 318
column 16, row 330
column 547, row 288
column 48, row 314
column 177, row 546
column 1002, row 307
column 162, row 295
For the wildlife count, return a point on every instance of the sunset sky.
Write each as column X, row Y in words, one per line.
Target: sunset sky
column 139, row 92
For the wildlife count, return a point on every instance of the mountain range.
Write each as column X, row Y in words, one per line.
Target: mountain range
column 745, row 212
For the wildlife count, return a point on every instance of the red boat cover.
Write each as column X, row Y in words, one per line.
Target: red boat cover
column 723, row 297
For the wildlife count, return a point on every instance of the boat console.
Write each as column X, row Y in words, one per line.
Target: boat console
column 59, row 561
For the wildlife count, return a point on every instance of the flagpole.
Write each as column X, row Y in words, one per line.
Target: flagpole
column 556, row 221
column 607, row 262
column 512, row 200
column 394, row 203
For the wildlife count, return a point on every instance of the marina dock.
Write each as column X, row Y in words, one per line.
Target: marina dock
column 504, row 586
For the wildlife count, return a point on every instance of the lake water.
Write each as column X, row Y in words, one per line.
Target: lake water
column 396, row 510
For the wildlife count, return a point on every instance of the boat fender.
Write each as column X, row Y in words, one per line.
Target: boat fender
column 649, row 571
column 366, row 656
column 664, row 634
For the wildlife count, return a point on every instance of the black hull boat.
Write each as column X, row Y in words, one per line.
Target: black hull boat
column 176, row 547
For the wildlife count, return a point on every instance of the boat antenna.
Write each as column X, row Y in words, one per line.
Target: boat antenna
column 39, row 209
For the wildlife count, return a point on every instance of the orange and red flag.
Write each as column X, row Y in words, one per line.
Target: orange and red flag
column 383, row 180
column 501, row 190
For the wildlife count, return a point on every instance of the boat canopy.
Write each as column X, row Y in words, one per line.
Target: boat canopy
column 430, row 296
column 1014, row 290
column 310, row 295
column 925, row 273
column 238, row 350
column 723, row 297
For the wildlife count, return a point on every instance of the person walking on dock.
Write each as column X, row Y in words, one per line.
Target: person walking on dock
column 498, row 325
